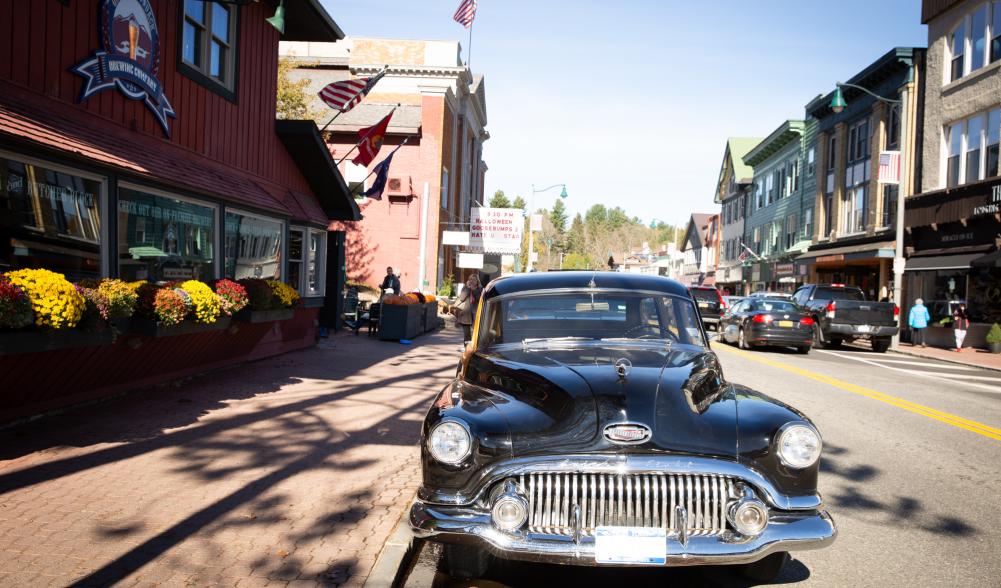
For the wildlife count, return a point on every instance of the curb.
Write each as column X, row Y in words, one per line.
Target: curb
column 393, row 561
column 946, row 360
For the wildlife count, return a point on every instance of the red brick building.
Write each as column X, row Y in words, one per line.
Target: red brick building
column 441, row 113
column 138, row 140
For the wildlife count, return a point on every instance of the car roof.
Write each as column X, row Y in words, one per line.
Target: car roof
column 581, row 280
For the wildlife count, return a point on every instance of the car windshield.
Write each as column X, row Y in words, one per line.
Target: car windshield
column 773, row 306
column 577, row 318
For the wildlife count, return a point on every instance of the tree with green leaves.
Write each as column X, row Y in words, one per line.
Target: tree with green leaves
column 519, row 202
column 499, row 200
column 558, row 216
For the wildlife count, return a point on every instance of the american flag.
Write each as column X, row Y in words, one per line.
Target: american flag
column 346, row 94
column 466, row 12
column 889, row 167
column 742, row 257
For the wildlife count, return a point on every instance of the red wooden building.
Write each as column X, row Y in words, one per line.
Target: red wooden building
column 138, row 140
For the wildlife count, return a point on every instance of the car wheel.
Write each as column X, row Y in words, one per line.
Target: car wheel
column 834, row 343
column 818, row 337
column 742, row 339
column 804, row 349
column 767, row 569
column 880, row 345
column 465, row 562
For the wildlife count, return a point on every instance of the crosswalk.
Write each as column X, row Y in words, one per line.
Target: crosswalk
column 953, row 374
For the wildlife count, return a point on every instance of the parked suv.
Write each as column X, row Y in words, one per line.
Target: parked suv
column 711, row 304
column 842, row 314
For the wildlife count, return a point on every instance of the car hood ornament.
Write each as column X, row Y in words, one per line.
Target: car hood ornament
column 622, row 367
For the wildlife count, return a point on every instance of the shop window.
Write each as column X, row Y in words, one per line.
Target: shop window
column 253, row 246
column 208, row 43
column 49, row 218
column 177, row 237
column 307, row 249
column 315, row 276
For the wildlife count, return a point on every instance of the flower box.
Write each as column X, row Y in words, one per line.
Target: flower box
column 264, row 316
column 16, row 342
column 151, row 328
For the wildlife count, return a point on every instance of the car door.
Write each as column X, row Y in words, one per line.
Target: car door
column 732, row 320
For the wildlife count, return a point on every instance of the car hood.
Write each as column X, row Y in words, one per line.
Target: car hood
column 560, row 400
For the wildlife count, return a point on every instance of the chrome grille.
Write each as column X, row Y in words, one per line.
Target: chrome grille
column 631, row 500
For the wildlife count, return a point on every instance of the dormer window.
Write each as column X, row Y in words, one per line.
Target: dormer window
column 208, row 44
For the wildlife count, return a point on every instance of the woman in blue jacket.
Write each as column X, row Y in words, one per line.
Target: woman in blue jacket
column 918, row 321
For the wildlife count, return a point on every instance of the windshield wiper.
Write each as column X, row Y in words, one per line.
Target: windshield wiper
column 546, row 341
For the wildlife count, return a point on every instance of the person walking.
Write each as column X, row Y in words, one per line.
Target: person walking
column 960, row 323
column 918, row 321
column 467, row 304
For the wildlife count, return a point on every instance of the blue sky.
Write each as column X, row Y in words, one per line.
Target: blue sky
column 629, row 102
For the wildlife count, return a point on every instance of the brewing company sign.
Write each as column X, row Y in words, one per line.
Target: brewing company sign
column 496, row 230
column 129, row 59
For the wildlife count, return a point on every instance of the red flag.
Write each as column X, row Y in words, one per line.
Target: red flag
column 371, row 141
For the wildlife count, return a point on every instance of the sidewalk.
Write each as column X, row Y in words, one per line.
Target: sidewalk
column 291, row 471
column 972, row 357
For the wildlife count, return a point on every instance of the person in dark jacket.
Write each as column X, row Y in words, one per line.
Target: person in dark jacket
column 390, row 282
column 960, row 323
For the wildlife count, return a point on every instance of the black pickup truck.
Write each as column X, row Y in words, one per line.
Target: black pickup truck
column 841, row 313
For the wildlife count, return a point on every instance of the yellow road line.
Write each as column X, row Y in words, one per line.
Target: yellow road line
column 938, row 415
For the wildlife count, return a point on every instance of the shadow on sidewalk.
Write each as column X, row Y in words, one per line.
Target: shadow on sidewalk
column 282, row 438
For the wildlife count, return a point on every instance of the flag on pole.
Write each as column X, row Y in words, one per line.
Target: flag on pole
column 466, row 12
column 889, row 167
column 381, row 177
column 371, row 141
column 346, row 94
column 742, row 257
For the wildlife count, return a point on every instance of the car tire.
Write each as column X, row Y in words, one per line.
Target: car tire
column 880, row 345
column 766, row 569
column 818, row 337
column 742, row 339
column 465, row 562
column 804, row 349
column 834, row 344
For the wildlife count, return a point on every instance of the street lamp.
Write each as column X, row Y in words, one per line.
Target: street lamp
column 531, row 207
column 837, row 105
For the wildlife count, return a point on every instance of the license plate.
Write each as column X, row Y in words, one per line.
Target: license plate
column 630, row 545
column 703, row 305
column 863, row 328
column 787, row 324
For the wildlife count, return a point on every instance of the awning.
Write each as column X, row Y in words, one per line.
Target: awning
column 307, row 20
column 850, row 252
column 989, row 260
column 303, row 141
column 941, row 262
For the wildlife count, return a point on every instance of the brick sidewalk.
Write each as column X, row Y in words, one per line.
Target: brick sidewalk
column 288, row 471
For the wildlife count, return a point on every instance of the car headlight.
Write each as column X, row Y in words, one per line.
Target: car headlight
column 450, row 442
column 799, row 445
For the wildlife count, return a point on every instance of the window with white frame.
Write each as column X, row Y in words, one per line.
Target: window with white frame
column 972, row 148
column 811, row 166
column 808, row 223
column 975, row 41
column 208, row 41
column 759, row 195
column 790, row 237
column 794, row 176
column 316, row 266
column 757, row 240
column 854, row 209
column 770, row 189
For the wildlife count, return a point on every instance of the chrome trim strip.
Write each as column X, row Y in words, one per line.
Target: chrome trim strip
column 631, row 464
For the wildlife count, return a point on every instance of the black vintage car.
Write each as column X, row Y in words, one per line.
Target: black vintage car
column 590, row 424
column 761, row 321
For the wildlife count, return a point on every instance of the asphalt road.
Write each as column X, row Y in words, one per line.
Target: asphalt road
column 911, row 474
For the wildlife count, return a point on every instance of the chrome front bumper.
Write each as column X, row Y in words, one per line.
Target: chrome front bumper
column 786, row 531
